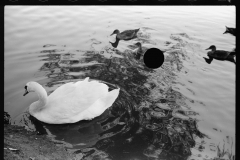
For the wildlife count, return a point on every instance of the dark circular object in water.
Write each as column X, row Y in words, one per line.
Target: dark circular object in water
column 153, row 58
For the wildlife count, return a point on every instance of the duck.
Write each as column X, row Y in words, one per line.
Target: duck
column 232, row 31
column 139, row 45
column 126, row 35
column 221, row 54
column 139, row 51
column 71, row 102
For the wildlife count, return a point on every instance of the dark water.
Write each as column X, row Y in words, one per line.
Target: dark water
column 182, row 110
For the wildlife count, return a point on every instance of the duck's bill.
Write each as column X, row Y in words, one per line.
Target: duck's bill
column 207, row 48
column 26, row 92
column 111, row 34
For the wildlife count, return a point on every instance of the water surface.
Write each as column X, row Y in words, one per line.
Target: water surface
column 184, row 109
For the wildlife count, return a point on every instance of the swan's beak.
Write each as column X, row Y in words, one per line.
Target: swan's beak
column 26, row 92
column 207, row 48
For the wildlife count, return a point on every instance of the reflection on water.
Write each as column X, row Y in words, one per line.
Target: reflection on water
column 150, row 119
column 210, row 59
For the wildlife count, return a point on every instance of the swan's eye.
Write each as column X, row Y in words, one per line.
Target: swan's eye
column 25, row 87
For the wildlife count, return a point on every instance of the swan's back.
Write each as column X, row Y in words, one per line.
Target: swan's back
column 73, row 102
column 64, row 89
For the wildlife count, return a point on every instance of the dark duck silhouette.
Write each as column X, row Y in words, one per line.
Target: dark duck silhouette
column 115, row 44
column 232, row 31
column 126, row 35
column 219, row 55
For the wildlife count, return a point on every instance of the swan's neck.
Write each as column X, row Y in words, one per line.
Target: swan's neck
column 41, row 103
column 42, row 97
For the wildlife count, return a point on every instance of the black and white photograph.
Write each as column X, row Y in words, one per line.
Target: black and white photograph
column 119, row 82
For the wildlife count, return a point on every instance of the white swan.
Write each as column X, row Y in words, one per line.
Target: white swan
column 71, row 102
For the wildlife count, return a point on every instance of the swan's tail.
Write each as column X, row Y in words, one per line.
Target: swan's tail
column 104, row 103
column 111, row 97
column 86, row 79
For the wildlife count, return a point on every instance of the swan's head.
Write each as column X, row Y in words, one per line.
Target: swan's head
column 116, row 31
column 31, row 87
column 212, row 47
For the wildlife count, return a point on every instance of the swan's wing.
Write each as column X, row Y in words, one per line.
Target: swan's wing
column 97, row 108
column 81, row 98
column 103, row 103
column 65, row 89
column 62, row 90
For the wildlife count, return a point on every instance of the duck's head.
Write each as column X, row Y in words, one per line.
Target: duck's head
column 116, row 31
column 212, row 47
column 138, row 44
column 227, row 30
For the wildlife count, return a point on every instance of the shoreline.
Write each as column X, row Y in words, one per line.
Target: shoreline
column 20, row 144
